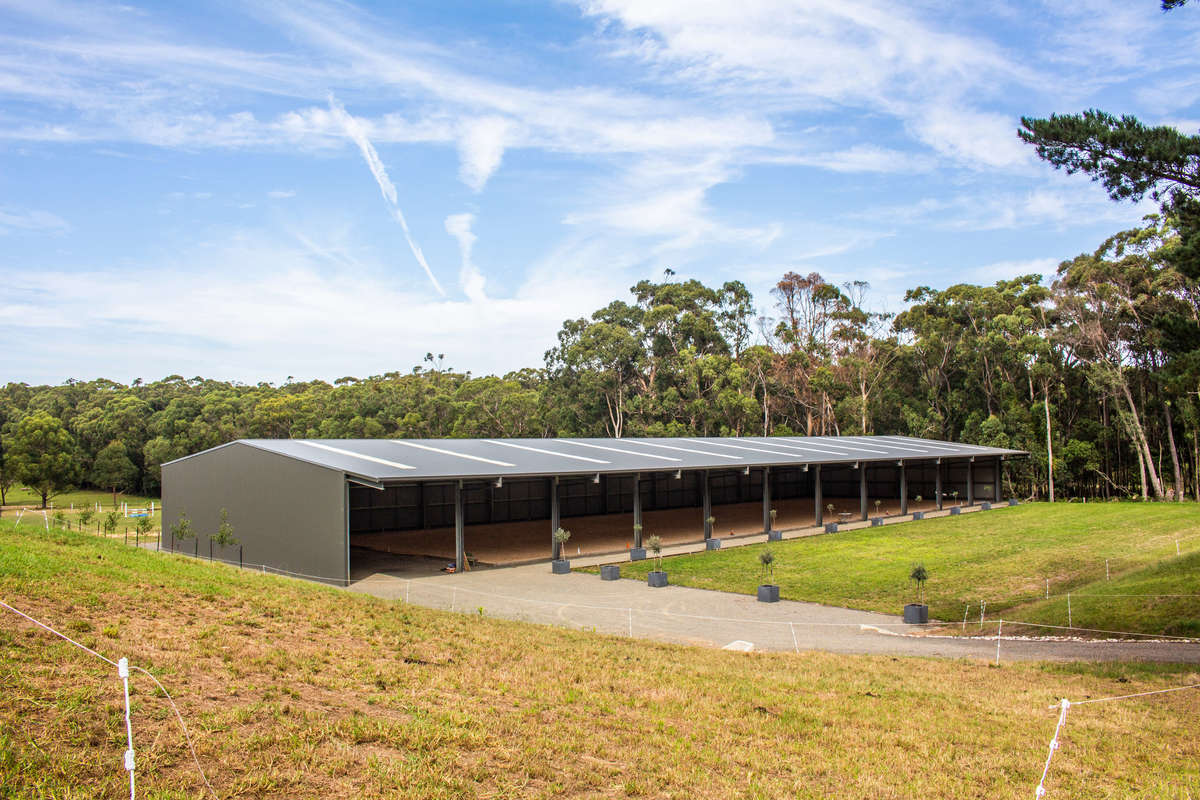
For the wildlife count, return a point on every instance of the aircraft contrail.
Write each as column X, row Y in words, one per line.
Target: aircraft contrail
column 354, row 130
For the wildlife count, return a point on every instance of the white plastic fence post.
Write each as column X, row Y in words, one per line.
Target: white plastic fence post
column 1176, row 547
column 123, row 672
column 795, row 643
column 1069, row 625
column 982, row 609
column 965, row 611
column 999, row 633
column 1107, row 576
column 1047, row 588
column 1062, row 717
column 630, row 622
column 407, row 588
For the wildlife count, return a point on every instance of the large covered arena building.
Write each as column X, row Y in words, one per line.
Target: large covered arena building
column 338, row 509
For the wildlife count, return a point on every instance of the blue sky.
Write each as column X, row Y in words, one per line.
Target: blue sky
column 253, row 191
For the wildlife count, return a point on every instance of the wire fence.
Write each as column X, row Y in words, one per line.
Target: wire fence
column 123, row 666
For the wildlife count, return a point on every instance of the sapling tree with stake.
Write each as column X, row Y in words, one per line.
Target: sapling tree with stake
column 143, row 526
column 182, row 529
column 561, row 536
column 86, row 515
column 225, row 536
column 766, row 561
column 110, row 522
column 654, row 543
column 918, row 576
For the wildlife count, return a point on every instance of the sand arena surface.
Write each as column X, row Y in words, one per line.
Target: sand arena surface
column 523, row 542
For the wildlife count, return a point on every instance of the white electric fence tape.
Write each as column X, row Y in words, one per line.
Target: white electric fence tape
column 123, row 673
column 123, row 667
column 1065, row 704
column 1062, row 717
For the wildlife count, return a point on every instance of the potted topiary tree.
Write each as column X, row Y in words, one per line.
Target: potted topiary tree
column 768, row 592
column 877, row 520
column 956, row 508
column 831, row 527
column 560, row 565
column 657, row 577
column 918, row 514
column 774, row 535
column 712, row 542
column 637, row 553
column 918, row 613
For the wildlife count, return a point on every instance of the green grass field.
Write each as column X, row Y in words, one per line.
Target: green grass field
column 69, row 504
column 1003, row 557
column 300, row 690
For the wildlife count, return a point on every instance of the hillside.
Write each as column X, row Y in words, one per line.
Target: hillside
column 1004, row 557
column 294, row 689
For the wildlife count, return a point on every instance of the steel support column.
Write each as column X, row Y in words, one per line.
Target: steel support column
column 937, row 484
column 903, row 489
column 971, row 482
column 637, row 510
column 997, row 488
column 554, row 518
column 766, row 497
column 708, row 528
column 460, row 545
column 818, row 511
column 862, row 490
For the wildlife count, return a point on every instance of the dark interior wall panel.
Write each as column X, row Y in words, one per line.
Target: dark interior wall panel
column 287, row 514
column 431, row 505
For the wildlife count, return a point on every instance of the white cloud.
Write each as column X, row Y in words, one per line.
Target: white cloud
column 972, row 137
column 469, row 277
column 354, row 130
column 280, row 194
column 34, row 221
column 481, row 147
column 255, row 302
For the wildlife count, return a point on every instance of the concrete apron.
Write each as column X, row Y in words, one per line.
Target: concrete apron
column 706, row 618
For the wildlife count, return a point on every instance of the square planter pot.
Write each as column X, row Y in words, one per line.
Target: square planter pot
column 1013, row 501
column 768, row 593
column 561, row 567
column 956, row 510
column 916, row 614
column 712, row 544
column 610, row 572
column 985, row 506
column 918, row 515
column 774, row 536
column 876, row 522
column 831, row 527
column 656, row 579
column 637, row 554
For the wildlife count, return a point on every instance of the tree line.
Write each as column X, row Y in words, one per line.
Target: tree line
column 1095, row 373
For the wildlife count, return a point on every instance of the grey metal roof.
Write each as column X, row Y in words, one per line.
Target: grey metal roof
column 443, row 459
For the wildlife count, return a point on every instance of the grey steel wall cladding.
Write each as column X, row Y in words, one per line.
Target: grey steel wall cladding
column 286, row 513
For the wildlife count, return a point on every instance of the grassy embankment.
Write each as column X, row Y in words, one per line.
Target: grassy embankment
column 295, row 689
column 1003, row 557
